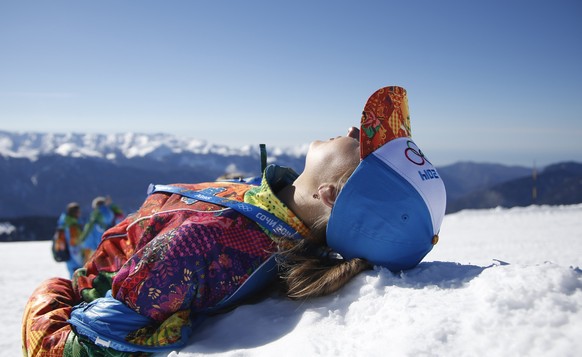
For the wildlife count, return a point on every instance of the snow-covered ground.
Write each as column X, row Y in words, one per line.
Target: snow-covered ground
column 501, row 282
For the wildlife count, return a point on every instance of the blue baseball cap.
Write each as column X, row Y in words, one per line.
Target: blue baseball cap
column 391, row 208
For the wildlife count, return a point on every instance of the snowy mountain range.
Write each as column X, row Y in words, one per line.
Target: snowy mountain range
column 122, row 146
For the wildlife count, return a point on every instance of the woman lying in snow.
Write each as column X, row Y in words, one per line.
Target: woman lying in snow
column 192, row 250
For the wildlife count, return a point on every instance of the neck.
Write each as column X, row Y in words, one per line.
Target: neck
column 297, row 196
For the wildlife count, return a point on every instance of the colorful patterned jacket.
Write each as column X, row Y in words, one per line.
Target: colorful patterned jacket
column 70, row 227
column 174, row 259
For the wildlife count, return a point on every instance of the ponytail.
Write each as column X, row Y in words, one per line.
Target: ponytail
column 309, row 276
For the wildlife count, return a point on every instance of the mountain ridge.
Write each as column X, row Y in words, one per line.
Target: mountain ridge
column 116, row 146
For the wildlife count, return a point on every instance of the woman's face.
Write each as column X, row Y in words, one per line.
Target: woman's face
column 332, row 158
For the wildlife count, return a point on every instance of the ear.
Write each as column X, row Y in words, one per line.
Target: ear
column 328, row 194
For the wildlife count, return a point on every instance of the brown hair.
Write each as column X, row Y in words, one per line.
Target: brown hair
column 308, row 276
column 73, row 209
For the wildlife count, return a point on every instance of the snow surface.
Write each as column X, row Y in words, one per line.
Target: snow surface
column 501, row 282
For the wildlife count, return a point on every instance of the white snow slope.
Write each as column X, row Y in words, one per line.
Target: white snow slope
column 501, row 282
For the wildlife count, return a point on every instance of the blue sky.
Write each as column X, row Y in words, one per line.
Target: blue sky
column 488, row 81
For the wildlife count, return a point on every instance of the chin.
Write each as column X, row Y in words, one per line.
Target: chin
column 311, row 151
column 314, row 144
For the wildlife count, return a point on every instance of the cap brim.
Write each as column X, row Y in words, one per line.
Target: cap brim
column 385, row 118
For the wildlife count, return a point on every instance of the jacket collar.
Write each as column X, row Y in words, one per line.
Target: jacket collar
column 264, row 196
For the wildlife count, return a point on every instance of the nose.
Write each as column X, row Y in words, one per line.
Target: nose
column 354, row 133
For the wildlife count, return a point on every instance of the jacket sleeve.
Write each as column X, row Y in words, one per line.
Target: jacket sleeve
column 45, row 329
column 94, row 279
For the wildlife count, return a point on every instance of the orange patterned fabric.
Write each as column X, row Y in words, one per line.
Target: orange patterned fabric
column 45, row 329
column 385, row 117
